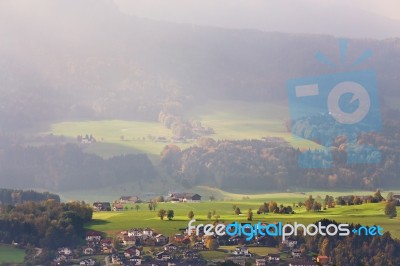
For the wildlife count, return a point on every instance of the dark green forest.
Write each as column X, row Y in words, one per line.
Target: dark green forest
column 271, row 164
column 12, row 196
column 62, row 167
column 353, row 249
column 48, row 224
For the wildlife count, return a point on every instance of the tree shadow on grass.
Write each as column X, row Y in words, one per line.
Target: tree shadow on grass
column 97, row 222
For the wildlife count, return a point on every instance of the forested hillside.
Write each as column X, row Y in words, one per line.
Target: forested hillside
column 118, row 66
column 272, row 164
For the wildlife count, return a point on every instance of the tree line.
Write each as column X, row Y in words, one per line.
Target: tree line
column 271, row 164
column 63, row 167
column 48, row 224
column 13, row 196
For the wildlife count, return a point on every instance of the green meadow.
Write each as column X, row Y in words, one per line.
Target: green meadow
column 115, row 137
column 230, row 120
column 10, row 254
column 365, row 214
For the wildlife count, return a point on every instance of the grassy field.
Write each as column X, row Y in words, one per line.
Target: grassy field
column 366, row 214
column 230, row 120
column 9, row 254
column 247, row 120
column 115, row 137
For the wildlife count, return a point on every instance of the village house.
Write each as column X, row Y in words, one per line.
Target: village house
column 106, row 246
column 397, row 199
column 273, row 258
column 170, row 247
column 135, row 260
column 93, row 236
column 323, row 260
column 88, row 251
column 163, row 256
column 296, row 253
column 129, row 240
column 89, row 261
column 161, row 240
column 261, row 262
column 64, row 251
column 131, row 252
column 290, row 242
column 179, row 238
column 118, row 207
column 147, row 233
column 64, row 254
column 241, row 251
column 137, row 232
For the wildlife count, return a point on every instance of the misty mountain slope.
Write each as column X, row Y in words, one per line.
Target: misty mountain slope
column 85, row 59
column 357, row 18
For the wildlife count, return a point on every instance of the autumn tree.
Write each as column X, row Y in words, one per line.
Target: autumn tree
column 272, row 206
column 161, row 213
column 211, row 243
column 390, row 209
column 250, row 215
column 237, row 211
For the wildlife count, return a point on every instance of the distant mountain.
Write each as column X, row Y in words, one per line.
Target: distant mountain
column 340, row 18
column 86, row 59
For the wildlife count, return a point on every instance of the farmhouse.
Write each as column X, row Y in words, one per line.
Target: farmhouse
column 129, row 199
column 185, row 197
column 101, row 206
column 118, row 207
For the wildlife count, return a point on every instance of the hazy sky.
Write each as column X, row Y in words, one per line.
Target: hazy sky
column 348, row 18
column 151, row 8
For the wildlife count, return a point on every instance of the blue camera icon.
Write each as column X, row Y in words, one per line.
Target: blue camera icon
column 339, row 104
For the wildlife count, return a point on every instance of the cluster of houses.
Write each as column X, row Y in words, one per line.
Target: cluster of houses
column 167, row 251
column 143, row 246
column 87, row 139
column 181, row 249
column 120, row 204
